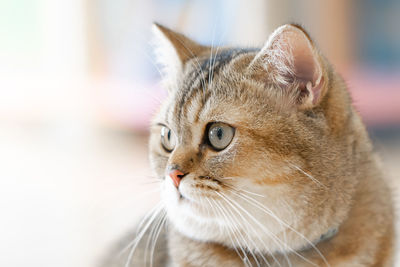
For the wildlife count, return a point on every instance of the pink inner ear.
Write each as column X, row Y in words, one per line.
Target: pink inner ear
column 316, row 90
column 293, row 64
column 306, row 68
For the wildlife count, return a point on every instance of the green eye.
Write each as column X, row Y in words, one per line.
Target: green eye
column 220, row 135
column 167, row 139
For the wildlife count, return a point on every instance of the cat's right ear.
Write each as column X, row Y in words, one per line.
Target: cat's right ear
column 172, row 51
column 291, row 63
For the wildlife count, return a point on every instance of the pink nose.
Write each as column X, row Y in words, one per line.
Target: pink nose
column 176, row 177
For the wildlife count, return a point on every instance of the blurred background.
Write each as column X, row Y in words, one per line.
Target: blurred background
column 79, row 84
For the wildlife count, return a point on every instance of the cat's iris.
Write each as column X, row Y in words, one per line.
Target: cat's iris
column 220, row 135
column 167, row 139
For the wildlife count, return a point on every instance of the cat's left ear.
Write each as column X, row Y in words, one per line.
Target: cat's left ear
column 290, row 61
column 173, row 50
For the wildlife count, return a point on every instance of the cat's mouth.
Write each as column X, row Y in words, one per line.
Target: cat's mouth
column 182, row 197
column 196, row 189
column 196, row 192
column 185, row 197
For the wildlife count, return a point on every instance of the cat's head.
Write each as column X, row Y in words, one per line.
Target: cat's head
column 252, row 145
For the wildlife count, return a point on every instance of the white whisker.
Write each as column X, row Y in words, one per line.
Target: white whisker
column 234, row 227
column 200, row 70
column 230, row 201
column 243, row 258
column 140, row 235
column 151, row 235
column 241, row 189
column 160, row 227
column 308, row 175
column 269, row 212
column 247, row 228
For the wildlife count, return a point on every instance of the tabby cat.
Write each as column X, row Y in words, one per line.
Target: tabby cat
column 262, row 161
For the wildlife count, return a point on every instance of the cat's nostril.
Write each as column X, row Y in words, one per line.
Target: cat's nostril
column 176, row 176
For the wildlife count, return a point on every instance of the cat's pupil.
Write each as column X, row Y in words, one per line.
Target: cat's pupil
column 169, row 135
column 220, row 133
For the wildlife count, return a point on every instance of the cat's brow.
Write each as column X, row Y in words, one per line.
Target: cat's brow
column 207, row 66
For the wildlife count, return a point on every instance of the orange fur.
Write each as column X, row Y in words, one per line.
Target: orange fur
column 300, row 151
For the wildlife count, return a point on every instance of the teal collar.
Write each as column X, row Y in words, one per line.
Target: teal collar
column 331, row 232
column 328, row 235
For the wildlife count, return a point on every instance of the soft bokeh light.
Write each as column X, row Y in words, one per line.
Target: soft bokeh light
column 79, row 84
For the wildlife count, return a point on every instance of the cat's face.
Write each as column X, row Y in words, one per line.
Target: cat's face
column 239, row 145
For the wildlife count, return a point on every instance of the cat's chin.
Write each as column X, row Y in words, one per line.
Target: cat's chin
column 190, row 215
column 185, row 220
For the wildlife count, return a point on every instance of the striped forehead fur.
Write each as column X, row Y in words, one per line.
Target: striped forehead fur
column 199, row 79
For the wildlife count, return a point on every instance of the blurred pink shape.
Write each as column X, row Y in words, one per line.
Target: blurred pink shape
column 128, row 105
column 376, row 96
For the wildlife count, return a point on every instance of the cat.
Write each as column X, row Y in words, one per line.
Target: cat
column 262, row 161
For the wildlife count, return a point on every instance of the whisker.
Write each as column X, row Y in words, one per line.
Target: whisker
column 151, row 235
column 245, row 259
column 221, row 37
column 199, row 69
column 239, row 233
column 232, row 203
column 161, row 225
column 209, row 63
column 212, row 65
column 155, row 209
column 151, row 182
column 230, row 237
column 276, row 218
column 262, row 207
column 308, row 175
column 247, row 228
column 133, row 244
column 241, row 189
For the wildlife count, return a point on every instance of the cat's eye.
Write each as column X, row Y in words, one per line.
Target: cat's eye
column 220, row 135
column 167, row 139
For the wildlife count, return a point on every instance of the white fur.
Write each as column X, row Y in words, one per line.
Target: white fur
column 189, row 217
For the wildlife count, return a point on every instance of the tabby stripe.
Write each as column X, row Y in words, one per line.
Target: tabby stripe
column 218, row 62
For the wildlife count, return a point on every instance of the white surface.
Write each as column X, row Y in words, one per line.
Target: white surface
column 66, row 193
